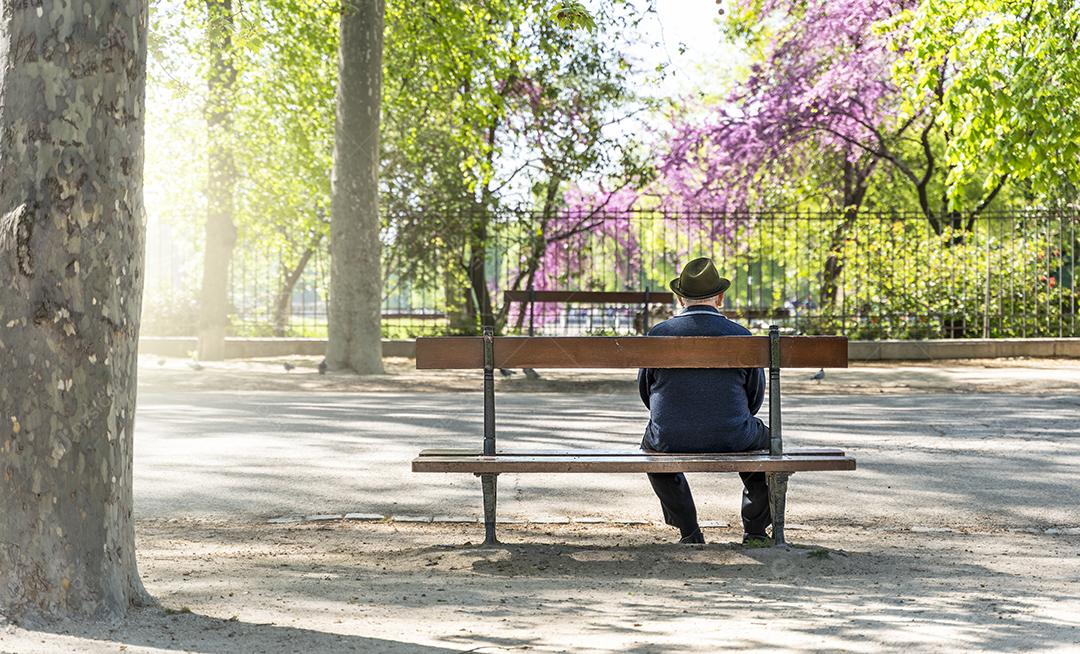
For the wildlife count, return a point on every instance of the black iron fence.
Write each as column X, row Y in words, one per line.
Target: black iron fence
column 872, row 275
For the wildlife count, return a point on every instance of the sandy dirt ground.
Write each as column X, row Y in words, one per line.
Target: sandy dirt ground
column 960, row 376
column 584, row 588
column 960, row 530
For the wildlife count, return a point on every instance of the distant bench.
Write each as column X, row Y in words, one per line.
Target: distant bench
column 772, row 351
column 646, row 299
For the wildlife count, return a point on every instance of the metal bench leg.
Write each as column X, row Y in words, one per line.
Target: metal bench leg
column 488, row 481
column 777, row 482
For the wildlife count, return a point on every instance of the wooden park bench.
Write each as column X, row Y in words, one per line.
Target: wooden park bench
column 773, row 351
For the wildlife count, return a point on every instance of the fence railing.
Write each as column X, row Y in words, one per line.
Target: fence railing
column 872, row 275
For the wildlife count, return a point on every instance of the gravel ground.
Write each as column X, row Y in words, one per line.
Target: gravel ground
column 959, row 530
column 359, row 587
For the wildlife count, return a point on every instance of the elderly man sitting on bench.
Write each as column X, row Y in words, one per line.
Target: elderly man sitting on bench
column 704, row 410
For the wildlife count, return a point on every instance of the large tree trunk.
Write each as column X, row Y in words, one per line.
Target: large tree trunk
column 72, row 77
column 355, row 273
column 220, row 230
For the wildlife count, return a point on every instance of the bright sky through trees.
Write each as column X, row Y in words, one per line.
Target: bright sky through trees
column 697, row 55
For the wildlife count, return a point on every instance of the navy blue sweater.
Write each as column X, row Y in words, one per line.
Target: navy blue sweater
column 701, row 409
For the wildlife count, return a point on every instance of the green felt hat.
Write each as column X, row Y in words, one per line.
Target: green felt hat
column 699, row 280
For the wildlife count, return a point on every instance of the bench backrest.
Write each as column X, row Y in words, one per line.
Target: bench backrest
column 461, row 352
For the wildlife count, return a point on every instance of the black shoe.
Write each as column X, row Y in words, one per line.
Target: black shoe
column 696, row 538
column 756, row 540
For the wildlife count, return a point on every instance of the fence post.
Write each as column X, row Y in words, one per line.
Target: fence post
column 488, row 481
column 986, row 290
column 532, row 300
column 645, row 315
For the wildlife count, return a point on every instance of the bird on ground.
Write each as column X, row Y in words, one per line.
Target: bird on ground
column 322, row 367
column 506, row 372
column 195, row 365
column 819, row 375
column 288, row 366
column 530, row 373
column 161, row 362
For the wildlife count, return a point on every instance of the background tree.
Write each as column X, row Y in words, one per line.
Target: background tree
column 355, row 274
column 71, row 251
column 221, row 180
column 284, row 125
column 1008, row 77
column 817, row 120
column 488, row 108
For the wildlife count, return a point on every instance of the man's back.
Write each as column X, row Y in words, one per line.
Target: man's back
column 701, row 409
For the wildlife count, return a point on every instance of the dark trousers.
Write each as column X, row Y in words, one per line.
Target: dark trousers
column 678, row 503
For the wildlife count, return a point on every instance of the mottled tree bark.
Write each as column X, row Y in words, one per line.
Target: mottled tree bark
column 220, row 230
column 355, row 273
column 72, row 79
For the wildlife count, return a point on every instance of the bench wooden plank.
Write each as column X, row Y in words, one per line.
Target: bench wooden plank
column 795, row 451
column 630, row 464
column 460, row 352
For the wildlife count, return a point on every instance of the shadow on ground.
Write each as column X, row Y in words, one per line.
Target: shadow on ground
column 940, row 460
column 426, row 588
column 154, row 629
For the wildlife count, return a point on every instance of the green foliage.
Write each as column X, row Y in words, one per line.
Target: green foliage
column 1009, row 71
column 284, row 123
column 572, row 15
column 497, row 104
column 489, row 106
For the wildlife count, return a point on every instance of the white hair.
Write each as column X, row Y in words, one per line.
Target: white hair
column 713, row 301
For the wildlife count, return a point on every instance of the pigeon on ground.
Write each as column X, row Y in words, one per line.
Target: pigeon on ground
column 322, row 367
column 161, row 362
column 505, row 372
column 819, row 375
column 530, row 373
column 288, row 366
column 195, row 365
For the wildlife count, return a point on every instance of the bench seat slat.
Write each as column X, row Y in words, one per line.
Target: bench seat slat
column 633, row 463
column 799, row 451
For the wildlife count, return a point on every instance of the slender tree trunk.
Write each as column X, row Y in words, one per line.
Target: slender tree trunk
column 457, row 305
column 355, row 273
column 283, row 302
column 477, row 269
column 834, row 263
column 854, row 193
column 536, row 252
column 220, row 230
column 478, row 242
column 72, row 77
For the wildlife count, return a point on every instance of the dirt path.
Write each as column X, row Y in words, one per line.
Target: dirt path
column 359, row 587
column 945, row 447
column 967, row 376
